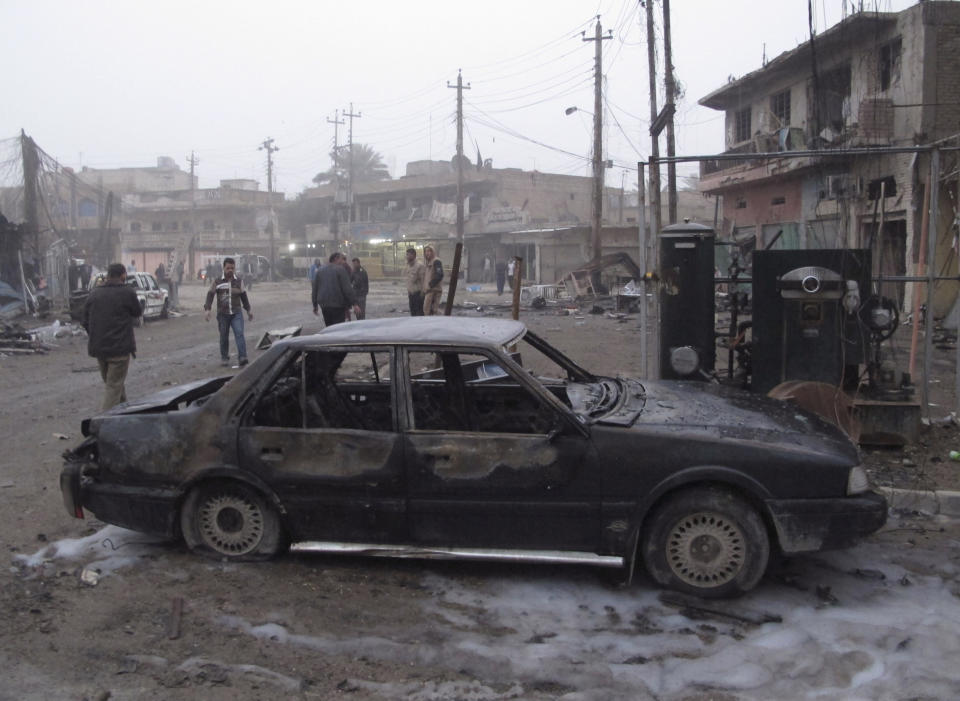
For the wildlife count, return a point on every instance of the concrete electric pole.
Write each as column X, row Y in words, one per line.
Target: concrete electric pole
column 351, row 115
column 268, row 146
column 458, row 252
column 598, row 165
column 671, row 90
column 336, row 122
column 655, row 218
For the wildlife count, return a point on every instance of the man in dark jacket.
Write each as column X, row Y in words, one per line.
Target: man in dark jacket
column 231, row 295
column 332, row 291
column 108, row 316
column 361, row 286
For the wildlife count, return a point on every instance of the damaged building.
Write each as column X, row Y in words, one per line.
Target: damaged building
column 876, row 80
column 540, row 217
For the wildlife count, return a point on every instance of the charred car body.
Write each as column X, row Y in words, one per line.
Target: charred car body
column 434, row 437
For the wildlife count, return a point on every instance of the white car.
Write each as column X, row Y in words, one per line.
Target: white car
column 153, row 298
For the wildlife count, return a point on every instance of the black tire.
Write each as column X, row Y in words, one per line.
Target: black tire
column 707, row 542
column 229, row 520
column 142, row 319
column 165, row 310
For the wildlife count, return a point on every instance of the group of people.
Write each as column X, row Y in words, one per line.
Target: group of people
column 337, row 290
column 424, row 282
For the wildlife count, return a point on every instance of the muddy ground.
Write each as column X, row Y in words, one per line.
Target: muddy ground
column 61, row 638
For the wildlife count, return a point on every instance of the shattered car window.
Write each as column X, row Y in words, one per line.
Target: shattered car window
column 330, row 389
column 456, row 391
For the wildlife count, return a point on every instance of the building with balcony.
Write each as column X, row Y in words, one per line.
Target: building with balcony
column 507, row 212
column 207, row 223
column 875, row 80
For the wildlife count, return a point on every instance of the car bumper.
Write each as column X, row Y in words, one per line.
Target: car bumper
column 808, row 525
column 146, row 509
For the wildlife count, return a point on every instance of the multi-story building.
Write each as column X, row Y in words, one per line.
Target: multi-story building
column 235, row 218
column 875, row 80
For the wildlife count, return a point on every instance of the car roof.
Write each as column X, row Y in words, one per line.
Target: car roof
column 421, row 329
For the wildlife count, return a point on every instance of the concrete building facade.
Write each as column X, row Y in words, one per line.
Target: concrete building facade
column 880, row 80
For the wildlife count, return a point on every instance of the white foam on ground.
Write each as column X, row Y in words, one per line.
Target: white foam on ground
column 516, row 633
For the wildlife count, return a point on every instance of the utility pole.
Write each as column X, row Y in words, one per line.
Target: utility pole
column 194, row 162
column 268, row 146
column 655, row 219
column 351, row 115
column 598, row 164
column 336, row 122
column 671, row 89
column 458, row 251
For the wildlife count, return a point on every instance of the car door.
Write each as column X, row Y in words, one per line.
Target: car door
column 154, row 295
column 322, row 434
column 491, row 461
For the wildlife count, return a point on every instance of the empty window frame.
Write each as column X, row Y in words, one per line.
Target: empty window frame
column 889, row 63
column 780, row 107
column 742, row 126
column 330, row 389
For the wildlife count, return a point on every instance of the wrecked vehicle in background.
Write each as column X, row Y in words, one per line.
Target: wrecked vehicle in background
column 473, row 438
column 154, row 299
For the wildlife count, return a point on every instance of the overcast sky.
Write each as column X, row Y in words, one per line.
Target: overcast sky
column 114, row 84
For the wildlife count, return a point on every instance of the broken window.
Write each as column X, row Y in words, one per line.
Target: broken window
column 834, row 99
column 890, row 63
column 321, row 389
column 780, row 108
column 454, row 391
column 134, row 226
column 742, row 128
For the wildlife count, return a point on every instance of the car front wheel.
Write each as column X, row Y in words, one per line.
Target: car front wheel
column 228, row 520
column 165, row 309
column 707, row 542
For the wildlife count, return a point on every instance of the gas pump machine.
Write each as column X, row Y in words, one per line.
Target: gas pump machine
column 806, row 322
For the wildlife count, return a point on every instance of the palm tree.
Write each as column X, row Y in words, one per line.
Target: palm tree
column 367, row 166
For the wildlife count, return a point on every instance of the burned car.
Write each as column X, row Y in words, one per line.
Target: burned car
column 473, row 438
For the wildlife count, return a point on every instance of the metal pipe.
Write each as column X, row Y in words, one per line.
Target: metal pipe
column 642, row 261
column 834, row 152
column 931, row 270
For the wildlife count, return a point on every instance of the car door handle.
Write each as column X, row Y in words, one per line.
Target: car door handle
column 271, row 454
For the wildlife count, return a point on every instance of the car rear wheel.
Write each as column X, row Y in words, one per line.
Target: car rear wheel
column 707, row 542
column 230, row 520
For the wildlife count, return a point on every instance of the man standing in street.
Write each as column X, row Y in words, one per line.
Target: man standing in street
column 332, row 292
column 108, row 316
column 501, row 268
column 361, row 286
column 231, row 296
column 414, row 278
column 432, row 282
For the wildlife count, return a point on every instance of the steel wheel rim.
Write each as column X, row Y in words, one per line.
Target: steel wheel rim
column 231, row 524
column 706, row 549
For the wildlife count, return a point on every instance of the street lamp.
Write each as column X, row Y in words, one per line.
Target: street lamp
column 598, row 174
column 571, row 110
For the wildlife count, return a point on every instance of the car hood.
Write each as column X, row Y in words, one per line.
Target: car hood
column 167, row 399
column 738, row 415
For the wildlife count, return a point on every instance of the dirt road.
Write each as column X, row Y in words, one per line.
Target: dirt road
column 155, row 622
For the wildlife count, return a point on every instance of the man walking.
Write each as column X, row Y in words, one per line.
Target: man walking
column 432, row 282
column 108, row 316
column 360, row 282
column 414, row 278
column 231, row 296
column 332, row 292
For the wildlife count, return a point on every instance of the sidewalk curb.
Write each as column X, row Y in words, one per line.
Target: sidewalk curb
column 940, row 501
